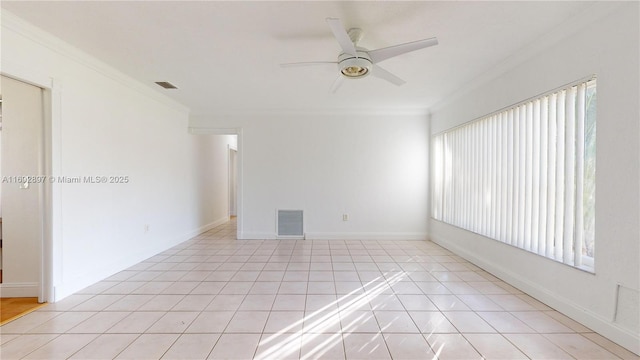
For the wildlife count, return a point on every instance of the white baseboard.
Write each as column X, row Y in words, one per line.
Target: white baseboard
column 207, row 227
column 366, row 236
column 11, row 290
column 596, row 322
column 340, row 236
column 256, row 235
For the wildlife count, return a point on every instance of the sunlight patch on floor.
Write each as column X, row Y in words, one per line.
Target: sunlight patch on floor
column 320, row 322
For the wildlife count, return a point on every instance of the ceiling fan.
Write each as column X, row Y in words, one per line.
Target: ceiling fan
column 356, row 62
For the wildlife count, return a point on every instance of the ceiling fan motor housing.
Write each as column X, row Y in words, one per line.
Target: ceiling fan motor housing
column 353, row 67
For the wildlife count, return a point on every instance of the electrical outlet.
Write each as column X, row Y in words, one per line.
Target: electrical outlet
column 345, row 217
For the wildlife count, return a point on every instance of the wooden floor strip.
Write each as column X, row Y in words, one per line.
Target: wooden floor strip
column 13, row 308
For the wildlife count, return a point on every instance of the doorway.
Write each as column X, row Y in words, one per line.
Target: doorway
column 22, row 169
column 235, row 145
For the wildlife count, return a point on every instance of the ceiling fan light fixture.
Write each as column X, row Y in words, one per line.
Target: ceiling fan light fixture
column 354, row 71
column 355, row 67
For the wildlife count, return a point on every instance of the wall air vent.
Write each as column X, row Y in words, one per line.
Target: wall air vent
column 166, row 84
column 290, row 224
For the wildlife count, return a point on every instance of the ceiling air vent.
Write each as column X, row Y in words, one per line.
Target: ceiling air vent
column 290, row 224
column 166, row 84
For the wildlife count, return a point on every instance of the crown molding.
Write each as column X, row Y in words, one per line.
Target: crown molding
column 13, row 23
column 598, row 10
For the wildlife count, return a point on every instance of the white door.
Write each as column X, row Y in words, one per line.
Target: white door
column 21, row 156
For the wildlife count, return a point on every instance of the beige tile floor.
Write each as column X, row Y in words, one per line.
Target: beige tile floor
column 220, row 298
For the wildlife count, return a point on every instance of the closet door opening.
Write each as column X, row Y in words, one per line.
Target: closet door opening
column 22, row 189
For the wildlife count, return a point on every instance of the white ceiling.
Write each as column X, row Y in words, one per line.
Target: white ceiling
column 224, row 56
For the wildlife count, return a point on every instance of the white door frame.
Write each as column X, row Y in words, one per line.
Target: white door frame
column 51, row 125
column 239, row 194
column 232, row 153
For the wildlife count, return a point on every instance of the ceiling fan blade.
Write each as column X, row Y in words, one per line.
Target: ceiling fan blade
column 337, row 83
column 385, row 75
column 341, row 35
column 307, row 63
column 391, row 51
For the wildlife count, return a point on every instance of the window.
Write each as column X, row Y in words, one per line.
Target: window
column 525, row 176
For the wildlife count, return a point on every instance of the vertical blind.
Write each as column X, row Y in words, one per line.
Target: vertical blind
column 518, row 175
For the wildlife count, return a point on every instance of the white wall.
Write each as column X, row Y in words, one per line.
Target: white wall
column 609, row 48
column 372, row 167
column 105, row 124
